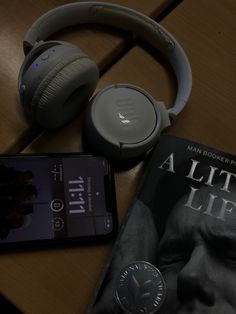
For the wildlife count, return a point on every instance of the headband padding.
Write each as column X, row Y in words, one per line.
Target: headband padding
column 64, row 91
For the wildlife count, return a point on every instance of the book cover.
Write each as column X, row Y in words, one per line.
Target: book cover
column 183, row 223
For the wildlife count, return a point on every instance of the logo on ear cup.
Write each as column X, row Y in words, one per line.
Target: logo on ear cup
column 126, row 112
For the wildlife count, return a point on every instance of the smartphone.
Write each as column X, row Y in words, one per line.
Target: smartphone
column 56, row 199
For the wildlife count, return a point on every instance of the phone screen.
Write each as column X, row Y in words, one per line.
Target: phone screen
column 55, row 198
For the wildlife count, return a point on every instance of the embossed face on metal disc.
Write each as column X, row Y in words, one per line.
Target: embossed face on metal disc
column 140, row 288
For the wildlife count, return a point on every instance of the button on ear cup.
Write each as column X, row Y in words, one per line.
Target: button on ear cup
column 64, row 91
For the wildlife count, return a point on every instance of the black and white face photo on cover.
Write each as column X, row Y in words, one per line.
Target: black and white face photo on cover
column 197, row 248
column 197, row 257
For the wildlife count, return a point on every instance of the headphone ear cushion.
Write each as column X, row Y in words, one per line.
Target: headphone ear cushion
column 64, row 91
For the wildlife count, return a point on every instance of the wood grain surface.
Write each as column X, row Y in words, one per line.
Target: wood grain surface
column 62, row 281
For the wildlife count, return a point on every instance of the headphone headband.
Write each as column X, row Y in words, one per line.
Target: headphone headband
column 125, row 19
column 97, row 13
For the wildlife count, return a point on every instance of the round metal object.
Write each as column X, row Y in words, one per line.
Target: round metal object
column 140, row 288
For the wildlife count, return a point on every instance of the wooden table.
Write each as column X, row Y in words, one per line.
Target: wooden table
column 63, row 281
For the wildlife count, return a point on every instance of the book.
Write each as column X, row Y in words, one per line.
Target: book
column 182, row 221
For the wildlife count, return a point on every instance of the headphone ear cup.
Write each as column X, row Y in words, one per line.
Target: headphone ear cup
column 64, row 91
column 123, row 121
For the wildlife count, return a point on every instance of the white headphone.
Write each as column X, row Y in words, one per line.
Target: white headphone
column 57, row 80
